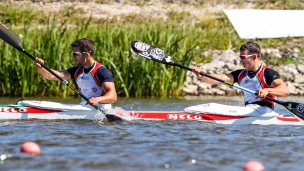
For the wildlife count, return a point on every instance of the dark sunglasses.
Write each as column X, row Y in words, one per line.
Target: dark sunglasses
column 243, row 57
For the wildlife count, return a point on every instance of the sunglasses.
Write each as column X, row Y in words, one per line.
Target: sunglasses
column 77, row 53
column 243, row 57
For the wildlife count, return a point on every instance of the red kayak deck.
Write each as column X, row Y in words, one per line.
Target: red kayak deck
column 181, row 115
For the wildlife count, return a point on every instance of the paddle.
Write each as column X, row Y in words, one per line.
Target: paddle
column 11, row 38
column 152, row 53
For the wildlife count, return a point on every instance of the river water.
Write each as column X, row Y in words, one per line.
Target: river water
column 151, row 145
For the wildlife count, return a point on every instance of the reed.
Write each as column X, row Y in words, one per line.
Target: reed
column 49, row 37
column 134, row 75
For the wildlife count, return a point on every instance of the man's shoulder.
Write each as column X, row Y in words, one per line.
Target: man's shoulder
column 270, row 71
column 102, row 68
column 237, row 72
column 72, row 69
column 104, row 72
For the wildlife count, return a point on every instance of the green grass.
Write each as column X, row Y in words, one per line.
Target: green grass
column 134, row 75
column 49, row 36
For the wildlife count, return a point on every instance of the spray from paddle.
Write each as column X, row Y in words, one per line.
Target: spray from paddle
column 119, row 111
column 100, row 118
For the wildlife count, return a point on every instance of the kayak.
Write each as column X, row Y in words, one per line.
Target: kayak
column 221, row 114
column 46, row 110
column 207, row 112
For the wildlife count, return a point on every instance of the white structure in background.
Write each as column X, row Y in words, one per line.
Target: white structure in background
column 250, row 24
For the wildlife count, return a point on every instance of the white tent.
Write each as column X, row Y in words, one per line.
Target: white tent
column 250, row 24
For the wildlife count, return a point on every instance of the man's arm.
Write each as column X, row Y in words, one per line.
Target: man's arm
column 224, row 77
column 108, row 86
column 109, row 97
column 279, row 89
column 46, row 74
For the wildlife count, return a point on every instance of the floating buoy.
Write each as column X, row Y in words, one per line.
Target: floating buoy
column 253, row 166
column 31, row 148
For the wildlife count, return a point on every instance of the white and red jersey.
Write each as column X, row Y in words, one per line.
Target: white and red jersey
column 89, row 84
column 255, row 83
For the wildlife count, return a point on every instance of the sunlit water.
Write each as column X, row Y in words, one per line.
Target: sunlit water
column 151, row 145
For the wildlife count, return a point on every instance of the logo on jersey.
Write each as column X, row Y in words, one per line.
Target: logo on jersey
column 94, row 89
column 248, row 81
column 84, row 78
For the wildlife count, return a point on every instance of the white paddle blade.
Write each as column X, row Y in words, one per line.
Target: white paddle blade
column 152, row 53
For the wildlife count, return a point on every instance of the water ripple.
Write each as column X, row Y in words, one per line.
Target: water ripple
column 150, row 145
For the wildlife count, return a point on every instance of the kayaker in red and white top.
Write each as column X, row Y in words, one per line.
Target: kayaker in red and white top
column 94, row 80
column 255, row 76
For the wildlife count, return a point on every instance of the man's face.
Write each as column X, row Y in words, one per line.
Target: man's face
column 247, row 60
column 79, row 56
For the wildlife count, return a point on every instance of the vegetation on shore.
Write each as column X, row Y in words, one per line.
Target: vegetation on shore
column 48, row 35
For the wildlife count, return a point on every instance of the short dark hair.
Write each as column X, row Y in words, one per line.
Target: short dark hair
column 252, row 48
column 85, row 45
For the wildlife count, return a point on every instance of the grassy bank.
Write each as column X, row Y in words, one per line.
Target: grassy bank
column 48, row 35
column 134, row 75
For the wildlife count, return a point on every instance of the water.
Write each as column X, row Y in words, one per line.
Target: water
column 151, row 145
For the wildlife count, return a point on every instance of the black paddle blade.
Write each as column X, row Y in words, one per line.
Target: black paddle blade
column 150, row 52
column 10, row 37
column 295, row 108
column 114, row 118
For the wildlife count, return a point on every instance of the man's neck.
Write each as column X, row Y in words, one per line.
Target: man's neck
column 89, row 63
column 252, row 73
column 256, row 66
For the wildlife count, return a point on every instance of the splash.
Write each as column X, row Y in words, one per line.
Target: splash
column 100, row 117
column 4, row 157
column 119, row 111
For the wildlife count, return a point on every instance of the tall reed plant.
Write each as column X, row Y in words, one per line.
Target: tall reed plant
column 134, row 76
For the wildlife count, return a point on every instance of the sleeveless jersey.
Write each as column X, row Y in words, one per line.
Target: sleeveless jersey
column 89, row 84
column 256, row 83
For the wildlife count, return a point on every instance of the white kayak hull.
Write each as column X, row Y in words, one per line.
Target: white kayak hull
column 209, row 112
column 24, row 112
column 31, row 109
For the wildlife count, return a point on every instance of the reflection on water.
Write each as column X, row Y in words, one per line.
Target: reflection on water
column 150, row 145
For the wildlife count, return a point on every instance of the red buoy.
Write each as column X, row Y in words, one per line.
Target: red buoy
column 253, row 166
column 31, row 148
